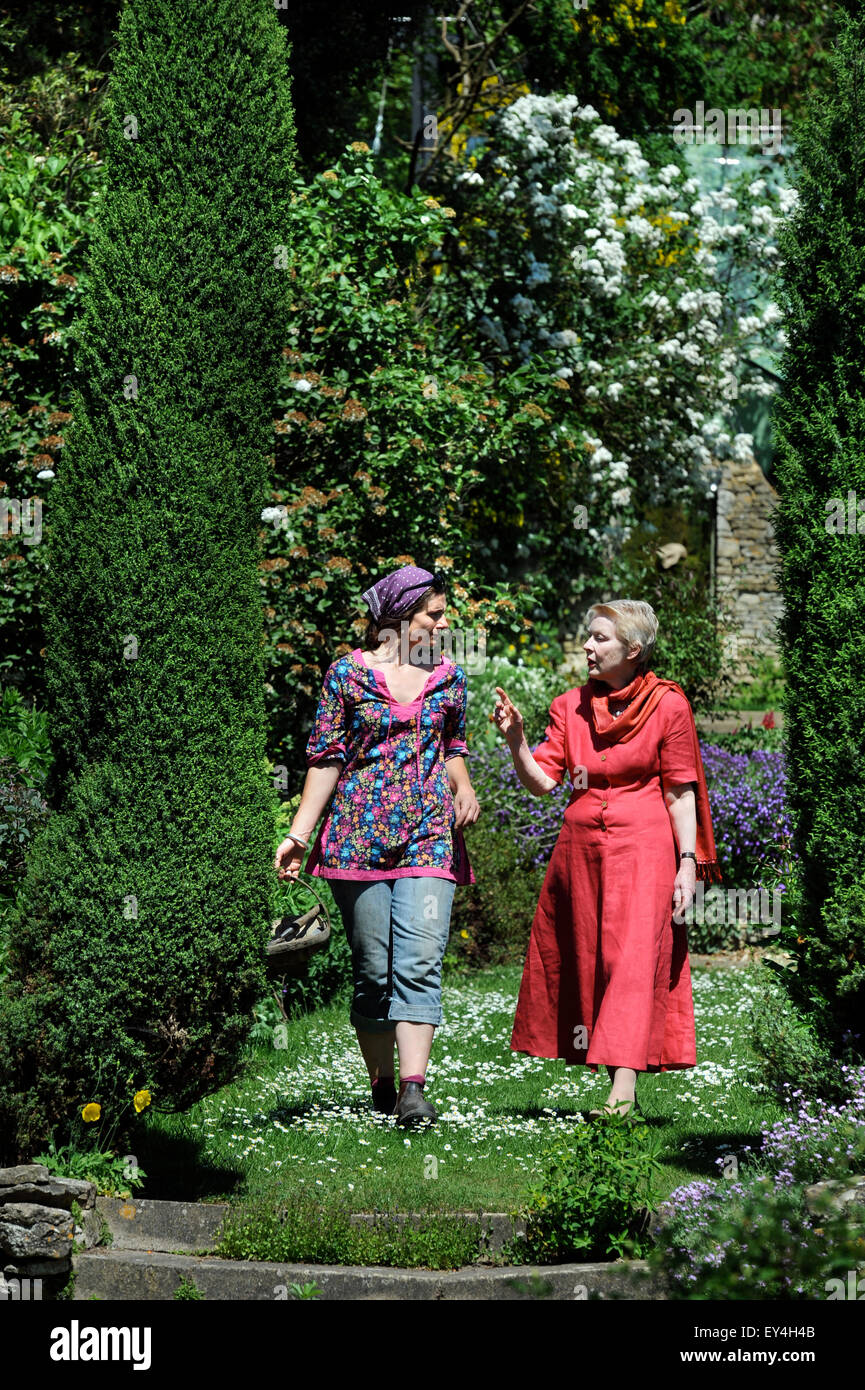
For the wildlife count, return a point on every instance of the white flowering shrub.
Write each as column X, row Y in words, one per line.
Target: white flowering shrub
column 579, row 259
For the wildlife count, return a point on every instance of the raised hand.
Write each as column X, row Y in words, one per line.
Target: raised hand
column 507, row 717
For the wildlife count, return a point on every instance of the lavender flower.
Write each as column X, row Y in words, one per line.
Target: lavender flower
column 747, row 798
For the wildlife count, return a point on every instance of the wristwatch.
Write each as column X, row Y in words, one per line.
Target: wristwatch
column 688, row 854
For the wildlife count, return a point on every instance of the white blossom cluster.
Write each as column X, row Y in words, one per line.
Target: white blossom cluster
column 621, row 278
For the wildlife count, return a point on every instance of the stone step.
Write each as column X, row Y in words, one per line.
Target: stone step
column 195, row 1227
column 147, row 1224
column 147, row 1276
column 153, row 1243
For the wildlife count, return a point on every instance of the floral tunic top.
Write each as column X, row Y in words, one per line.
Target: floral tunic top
column 392, row 813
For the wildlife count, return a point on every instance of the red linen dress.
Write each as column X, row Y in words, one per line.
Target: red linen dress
column 606, row 979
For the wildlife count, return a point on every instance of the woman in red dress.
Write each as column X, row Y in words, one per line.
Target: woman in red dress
column 606, row 979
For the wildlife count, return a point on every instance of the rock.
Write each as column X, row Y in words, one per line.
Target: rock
column 746, row 556
column 50, row 1192
column 25, row 1172
column 30, row 1231
column 844, row 1195
column 90, row 1232
column 79, row 1190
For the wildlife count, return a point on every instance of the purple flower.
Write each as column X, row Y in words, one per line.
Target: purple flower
column 747, row 798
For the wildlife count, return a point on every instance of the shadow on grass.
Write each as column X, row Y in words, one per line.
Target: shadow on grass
column 552, row 1112
column 702, row 1151
column 179, row 1170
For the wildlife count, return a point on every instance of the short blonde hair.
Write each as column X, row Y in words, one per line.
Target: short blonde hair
column 634, row 621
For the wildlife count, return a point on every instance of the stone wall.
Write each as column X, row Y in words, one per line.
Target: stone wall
column 745, row 559
column 38, row 1230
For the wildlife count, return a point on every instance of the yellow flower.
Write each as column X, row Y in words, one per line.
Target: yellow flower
column 140, row 1100
column 91, row 1112
column 464, row 935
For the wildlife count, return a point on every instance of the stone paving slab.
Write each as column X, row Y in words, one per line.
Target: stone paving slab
column 139, row 1275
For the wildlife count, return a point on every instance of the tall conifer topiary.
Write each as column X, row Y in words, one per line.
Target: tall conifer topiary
column 820, row 528
column 138, row 946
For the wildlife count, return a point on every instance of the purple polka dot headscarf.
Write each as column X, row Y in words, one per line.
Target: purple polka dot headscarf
column 397, row 592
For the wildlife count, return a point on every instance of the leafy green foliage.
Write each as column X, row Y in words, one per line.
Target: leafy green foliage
column 580, row 257
column 44, row 199
column 25, row 757
column 302, row 1228
column 136, row 950
column 793, row 1054
column 640, row 60
column 491, row 919
column 748, row 737
column 187, row 1288
column 595, row 1195
column 306, row 1291
column 633, row 61
column 22, row 813
column 757, row 1241
column 24, row 736
column 382, row 431
column 690, row 621
column 764, row 691
column 532, row 688
column 820, row 430
column 112, row 1175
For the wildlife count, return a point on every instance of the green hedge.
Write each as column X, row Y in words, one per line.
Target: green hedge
column 821, row 456
column 137, row 949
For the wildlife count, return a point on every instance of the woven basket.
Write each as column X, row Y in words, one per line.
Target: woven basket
column 301, row 931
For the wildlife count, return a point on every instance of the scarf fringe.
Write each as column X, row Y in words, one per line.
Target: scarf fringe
column 709, row 870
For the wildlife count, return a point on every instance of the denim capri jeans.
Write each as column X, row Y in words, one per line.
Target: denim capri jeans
column 397, row 930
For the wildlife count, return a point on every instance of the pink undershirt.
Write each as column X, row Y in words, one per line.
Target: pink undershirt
column 381, row 681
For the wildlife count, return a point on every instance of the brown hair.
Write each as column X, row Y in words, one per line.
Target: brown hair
column 376, row 625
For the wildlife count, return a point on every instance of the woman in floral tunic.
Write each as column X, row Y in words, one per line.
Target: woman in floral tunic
column 388, row 746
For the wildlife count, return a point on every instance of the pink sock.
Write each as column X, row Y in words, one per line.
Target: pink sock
column 421, row 1080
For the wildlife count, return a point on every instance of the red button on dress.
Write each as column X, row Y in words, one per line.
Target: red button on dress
column 606, row 979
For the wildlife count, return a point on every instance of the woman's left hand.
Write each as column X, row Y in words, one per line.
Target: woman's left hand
column 466, row 807
column 684, row 887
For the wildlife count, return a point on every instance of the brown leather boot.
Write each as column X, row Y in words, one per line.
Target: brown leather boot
column 411, row 1108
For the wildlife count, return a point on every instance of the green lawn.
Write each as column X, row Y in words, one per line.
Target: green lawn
column 300, row 1117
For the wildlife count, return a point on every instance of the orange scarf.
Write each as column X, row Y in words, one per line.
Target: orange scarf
column 645, row 693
